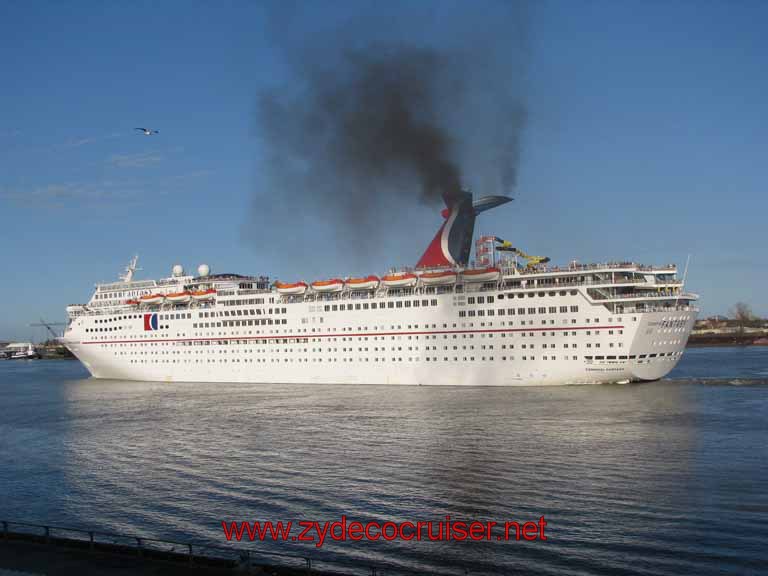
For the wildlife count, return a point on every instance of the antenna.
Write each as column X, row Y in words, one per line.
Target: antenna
column 130, row 269
column 685, row 275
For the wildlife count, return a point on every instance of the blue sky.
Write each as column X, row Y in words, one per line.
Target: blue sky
column 646, row 140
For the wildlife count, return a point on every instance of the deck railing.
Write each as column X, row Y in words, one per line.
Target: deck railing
column 187, row 552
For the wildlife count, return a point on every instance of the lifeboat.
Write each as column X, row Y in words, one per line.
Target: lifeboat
column 439, row 278
column 399, row 280
column 481, row 274
column 178, row 297
column 367, row 283
column 333, row 285
column 152, row 299
column 295, row 288
column 132, row 302
column 202, row 295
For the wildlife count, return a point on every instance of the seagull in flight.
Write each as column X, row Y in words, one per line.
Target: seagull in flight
column 148, row 131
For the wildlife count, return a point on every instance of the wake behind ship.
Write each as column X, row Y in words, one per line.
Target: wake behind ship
column 509, row 319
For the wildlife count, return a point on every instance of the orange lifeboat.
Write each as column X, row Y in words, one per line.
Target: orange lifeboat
column 439, row 278
column 202, row 295
column 332, row 285
column 367, row 283
column 294, row 288
column 132, row 302
column 152, row 299
column 178, row 297
column 400, row 280
column 481, row 274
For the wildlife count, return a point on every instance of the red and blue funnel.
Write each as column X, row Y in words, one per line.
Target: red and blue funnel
column 453, row 242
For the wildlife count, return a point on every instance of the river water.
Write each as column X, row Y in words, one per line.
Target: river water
column 659, row 478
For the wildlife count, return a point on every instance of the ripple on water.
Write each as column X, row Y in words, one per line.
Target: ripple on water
column 661, row 478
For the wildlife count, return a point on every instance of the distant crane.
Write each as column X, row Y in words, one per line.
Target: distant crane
column 48, row 327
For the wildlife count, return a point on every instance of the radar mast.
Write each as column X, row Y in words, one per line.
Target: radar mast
column 130, row 269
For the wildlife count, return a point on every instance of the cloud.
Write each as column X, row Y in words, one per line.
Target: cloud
column 103, row 192
column 139, row 160
column 192, row 175
column 77, row 142
column 60, row 195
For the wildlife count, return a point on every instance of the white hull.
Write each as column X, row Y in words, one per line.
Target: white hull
column 425, row 345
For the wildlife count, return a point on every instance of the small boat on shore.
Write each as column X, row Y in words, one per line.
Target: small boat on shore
column 20, row 351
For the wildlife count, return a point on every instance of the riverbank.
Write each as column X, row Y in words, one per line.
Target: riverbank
column 730, row 339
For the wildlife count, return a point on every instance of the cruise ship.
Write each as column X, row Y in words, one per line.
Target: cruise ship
column 503, row 319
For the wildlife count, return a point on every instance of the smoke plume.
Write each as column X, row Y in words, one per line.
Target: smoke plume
column 368, row 126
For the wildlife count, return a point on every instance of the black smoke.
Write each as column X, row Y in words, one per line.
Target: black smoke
column 366, row 128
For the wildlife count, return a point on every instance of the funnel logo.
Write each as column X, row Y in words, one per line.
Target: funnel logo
column 150, row 322
column 453, row 241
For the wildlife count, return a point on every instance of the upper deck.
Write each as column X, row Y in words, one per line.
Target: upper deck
column 617, row 285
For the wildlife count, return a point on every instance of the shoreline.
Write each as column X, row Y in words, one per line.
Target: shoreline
column 725, row 340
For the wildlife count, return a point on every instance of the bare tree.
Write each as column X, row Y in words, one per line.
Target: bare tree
column 742, row 313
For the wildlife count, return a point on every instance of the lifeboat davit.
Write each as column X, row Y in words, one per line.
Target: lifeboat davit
column 202, row 295
column 152, row 299
column 400, row 280
column 440, row 278
column 295, row 288
column 333, row 285
column 481, row 274
column 178, row 297
column 367, row 283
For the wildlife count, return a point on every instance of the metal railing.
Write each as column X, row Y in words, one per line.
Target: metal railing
column 543, row 269
column 185, row 552
column 640, row 295
column 140, row 545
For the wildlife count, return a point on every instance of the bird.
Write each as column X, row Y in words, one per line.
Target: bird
column 148, row 131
